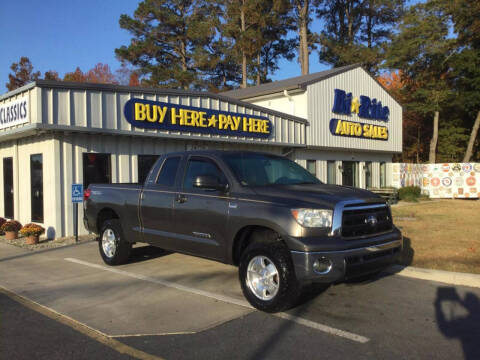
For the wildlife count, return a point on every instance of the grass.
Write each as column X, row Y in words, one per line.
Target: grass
column 441, row 234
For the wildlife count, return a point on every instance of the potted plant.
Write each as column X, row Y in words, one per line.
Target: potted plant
column 2, row 221
column 32, row 232
column 11, row 228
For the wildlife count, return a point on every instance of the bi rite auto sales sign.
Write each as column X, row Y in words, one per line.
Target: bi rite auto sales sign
column 14, row 113
column 346, row 104
column 158, row 115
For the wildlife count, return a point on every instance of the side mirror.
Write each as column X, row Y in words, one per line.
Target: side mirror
column 209, row 182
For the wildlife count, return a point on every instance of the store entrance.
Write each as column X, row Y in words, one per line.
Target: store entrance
column 8, row 187
column 350, row 173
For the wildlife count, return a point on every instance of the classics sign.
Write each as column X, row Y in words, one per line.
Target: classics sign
column 164, row 116
column 14, row 113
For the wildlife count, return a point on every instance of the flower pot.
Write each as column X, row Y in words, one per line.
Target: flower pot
column 32, row 239
column 11, row 235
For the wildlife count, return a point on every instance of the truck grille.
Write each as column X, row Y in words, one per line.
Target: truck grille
column 367, row 221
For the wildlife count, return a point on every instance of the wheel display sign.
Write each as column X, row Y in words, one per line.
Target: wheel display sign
column 446, row 180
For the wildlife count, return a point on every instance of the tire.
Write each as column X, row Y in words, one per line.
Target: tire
column 270, row 293
column 114, row 248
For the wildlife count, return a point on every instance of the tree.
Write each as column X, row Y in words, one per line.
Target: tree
column 413, row 129
column 51, row 75
column 75, row 76
column 22, row 74
column 167, row 38
column 276, row 21
column 302, row 20
column 357, row 31
column 421, row 50
column 465, row 16
column 100, row 74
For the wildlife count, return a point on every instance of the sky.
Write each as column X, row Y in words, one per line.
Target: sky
column 63, row 34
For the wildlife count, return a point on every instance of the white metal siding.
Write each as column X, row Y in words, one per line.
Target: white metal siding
column 358, row 82
column 104, row 110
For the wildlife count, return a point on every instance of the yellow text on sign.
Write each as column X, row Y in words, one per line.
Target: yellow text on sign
column 151, row 113
column 361, row 130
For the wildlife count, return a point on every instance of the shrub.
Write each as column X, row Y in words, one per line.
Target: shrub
column 409, row 193
column 11, row 225
column 32, row 230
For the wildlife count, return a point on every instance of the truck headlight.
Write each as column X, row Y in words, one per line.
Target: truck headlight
column 313, row 218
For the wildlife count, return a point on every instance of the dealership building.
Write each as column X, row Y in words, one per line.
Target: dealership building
column 340, row 124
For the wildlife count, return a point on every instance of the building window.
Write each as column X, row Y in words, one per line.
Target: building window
column 350, row 173
column 368, row 174
column 168, row 173
column 8, row 187
column 312, row 167
column 96, row 169
column 36, row 183
column 145, row 163
column 383, row 174
column 331, row 172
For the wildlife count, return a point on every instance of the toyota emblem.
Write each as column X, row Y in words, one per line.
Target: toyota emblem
column 371, row 220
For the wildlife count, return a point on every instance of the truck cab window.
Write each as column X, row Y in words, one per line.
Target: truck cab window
column 168, row 172
column 198, row 167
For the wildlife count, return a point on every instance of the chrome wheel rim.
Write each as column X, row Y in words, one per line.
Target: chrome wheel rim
column 109, row 243
column 262, row 278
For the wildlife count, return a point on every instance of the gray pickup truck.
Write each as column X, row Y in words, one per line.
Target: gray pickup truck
column 267, row 215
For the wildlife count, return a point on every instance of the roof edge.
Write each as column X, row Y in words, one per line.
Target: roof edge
column 163, row 91
column 18, row 90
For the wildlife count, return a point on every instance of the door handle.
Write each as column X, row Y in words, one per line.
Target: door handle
column 181, row 198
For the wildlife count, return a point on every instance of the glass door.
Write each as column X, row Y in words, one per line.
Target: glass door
column 350, row 173
column 368, row 174
column 8, row 187
column 36, row 183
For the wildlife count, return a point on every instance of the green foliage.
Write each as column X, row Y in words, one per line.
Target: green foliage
column 409, row 193
column 452, row 141
column 170, row 39
column 357, row 31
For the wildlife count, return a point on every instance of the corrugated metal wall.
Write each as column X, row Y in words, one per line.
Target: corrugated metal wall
column 358, row 82
column 103, row 109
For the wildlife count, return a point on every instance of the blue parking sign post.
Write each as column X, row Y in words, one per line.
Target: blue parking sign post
column 77, row 197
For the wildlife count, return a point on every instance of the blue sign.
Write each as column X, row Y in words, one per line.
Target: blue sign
column 77, row 193
column 364, row 107
column 164, row 116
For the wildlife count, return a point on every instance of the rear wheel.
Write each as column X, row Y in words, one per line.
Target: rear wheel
column 267, row 276
column 114, row 249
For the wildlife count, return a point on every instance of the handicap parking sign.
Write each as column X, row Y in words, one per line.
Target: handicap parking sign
column 77, row 193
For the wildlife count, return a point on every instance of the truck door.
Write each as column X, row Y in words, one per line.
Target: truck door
column 157, row 204
column 201, row 215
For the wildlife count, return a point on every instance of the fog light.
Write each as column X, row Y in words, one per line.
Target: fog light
column 322, row 266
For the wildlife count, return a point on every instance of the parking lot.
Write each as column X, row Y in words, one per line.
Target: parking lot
column 175, row 306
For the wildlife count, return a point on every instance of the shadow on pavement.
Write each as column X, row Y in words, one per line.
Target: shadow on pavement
column 144, row 253
column 459, row 318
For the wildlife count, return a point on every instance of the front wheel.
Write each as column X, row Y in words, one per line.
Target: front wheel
column 267, row 277
column 114, row 248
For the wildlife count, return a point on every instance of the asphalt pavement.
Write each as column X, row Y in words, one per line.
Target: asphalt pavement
column 179, row 307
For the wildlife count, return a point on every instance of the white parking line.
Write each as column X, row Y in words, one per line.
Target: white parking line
column 226, row 299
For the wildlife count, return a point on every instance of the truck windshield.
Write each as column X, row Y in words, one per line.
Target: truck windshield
column 264, row 170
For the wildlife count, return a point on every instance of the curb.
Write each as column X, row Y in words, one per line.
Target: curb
column 447, row 277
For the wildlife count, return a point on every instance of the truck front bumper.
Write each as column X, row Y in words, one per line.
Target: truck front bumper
column 335, row 266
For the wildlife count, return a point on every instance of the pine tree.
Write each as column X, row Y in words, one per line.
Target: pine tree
column 357, row 30
column 168, row 37
column 422, row 50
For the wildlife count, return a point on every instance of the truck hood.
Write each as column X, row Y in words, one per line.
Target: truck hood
column 318, row 194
